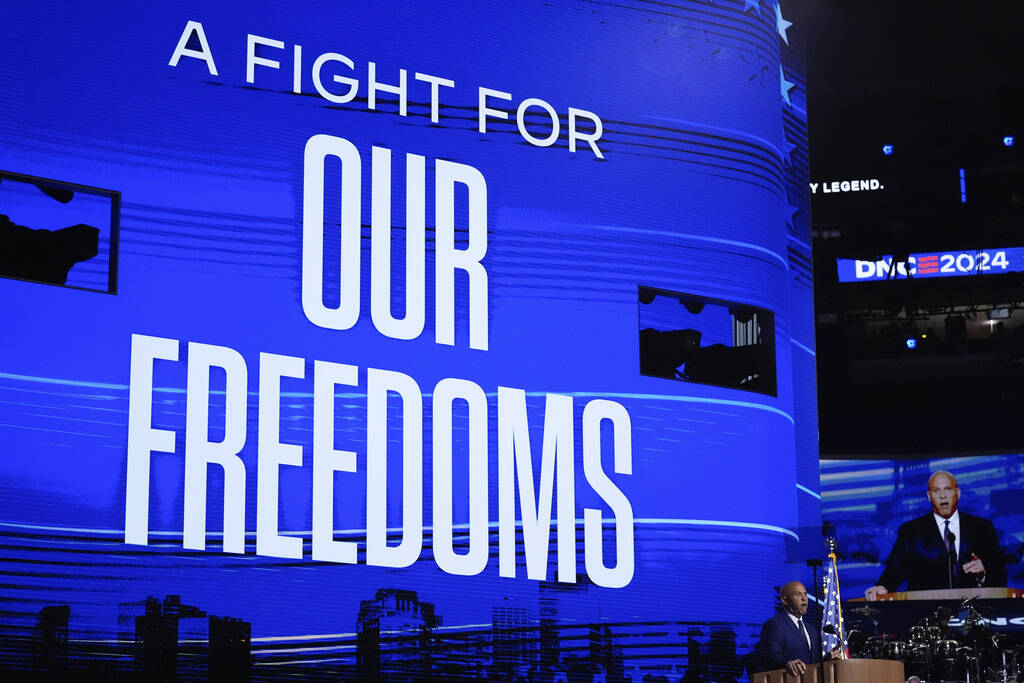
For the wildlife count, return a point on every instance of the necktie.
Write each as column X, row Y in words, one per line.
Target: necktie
column 803, row 632
column 950, row 554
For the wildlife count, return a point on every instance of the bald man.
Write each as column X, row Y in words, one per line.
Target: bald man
column 945, row 548
column 786, row 641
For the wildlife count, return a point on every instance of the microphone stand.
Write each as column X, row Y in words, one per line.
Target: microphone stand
column 814, row 564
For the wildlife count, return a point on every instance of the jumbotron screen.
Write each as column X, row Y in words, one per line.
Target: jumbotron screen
column 402, row 340
column 886, row 513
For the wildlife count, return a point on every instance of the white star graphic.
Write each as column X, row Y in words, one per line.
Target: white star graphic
column 752, row 4
column 786, row 86
column 781, row 24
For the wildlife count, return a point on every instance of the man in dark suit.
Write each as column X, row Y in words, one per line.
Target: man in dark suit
column 945, row 548
column 786, row 642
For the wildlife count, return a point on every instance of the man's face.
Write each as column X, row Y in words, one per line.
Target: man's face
column 944, row 495
column 794, row 597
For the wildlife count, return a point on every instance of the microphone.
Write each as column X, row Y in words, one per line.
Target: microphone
column 831, row 630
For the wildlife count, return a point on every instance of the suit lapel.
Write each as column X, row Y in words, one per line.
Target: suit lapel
column 937, row 534
column 800, row 635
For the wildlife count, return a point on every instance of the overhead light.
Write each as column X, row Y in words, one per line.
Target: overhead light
column 887, row 149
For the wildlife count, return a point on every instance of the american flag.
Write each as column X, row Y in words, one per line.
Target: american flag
column 833, row 610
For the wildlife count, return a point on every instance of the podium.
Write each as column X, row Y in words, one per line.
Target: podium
column 951, row 594
column 839, row 671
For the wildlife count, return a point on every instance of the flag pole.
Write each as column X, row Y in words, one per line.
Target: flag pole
column 839, row 603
